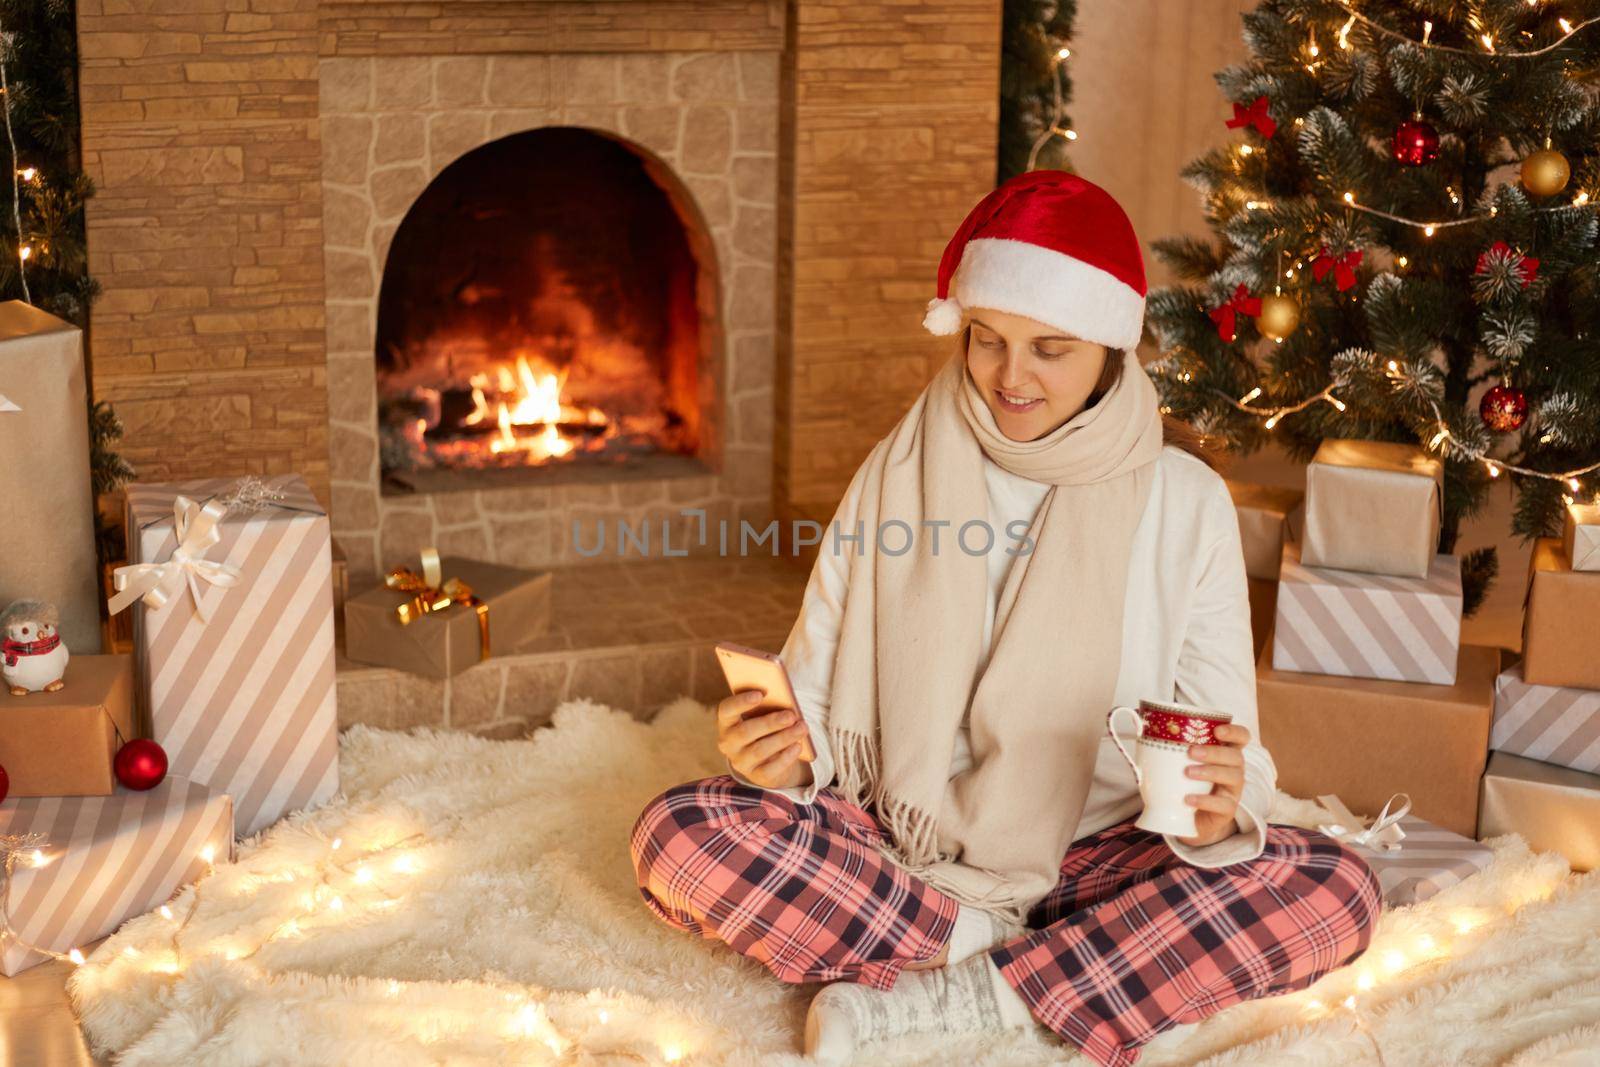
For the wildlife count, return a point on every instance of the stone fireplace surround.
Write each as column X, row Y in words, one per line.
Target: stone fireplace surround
column 389, row 124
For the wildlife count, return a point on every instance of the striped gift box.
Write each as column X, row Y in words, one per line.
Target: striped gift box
column 1430, row 859
column 243, row 701
column 1360, row 625
column 106, row 859
column 1552, row 723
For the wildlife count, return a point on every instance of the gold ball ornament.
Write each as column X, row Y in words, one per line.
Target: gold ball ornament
column 1279, row 316
column 1546, row 172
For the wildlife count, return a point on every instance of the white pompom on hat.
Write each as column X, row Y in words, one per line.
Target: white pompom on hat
column 1050, row 246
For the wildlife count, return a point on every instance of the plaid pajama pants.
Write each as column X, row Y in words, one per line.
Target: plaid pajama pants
column 1131, row 942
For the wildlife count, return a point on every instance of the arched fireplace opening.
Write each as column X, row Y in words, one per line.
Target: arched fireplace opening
column 546, row 314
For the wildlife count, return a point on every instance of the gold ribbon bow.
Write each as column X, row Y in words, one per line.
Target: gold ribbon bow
column 157, row 583
column 434, row 592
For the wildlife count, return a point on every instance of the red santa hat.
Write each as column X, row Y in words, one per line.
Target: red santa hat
column 1051, row 246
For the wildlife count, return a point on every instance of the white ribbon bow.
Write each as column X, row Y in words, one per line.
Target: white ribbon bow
column 1384, row 835
column 157, row 583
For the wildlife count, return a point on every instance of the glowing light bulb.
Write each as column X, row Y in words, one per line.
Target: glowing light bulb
column 1566, row 27
column 1425, row 943
column 405, row 865
column 1393, row 366
column 1337, row 403
column 25, row 251
column 1427, row 231
column 338, row 843
column 27, row 174
column 1349, row 198
column 336, row 904
column 1245, row 150
column 672, row 1053
column 1494, row 469
column 363, row 876
column 1572, row 483
column 394, row 987
column 209, row 854
column 1251, row 395
column 76, row 957
column 1488, row 41
column 1427, row 31
column 166, row 912
column 1063, row 53
column 1273, row 421
column 1403, row 261
column 1365, row 982
column 1071, row 135
column 1350, row 1003
column 1581, row 199
column 39, row 859
column 1394, row 960
column 130, row 952
column 605, row 1017
column 1344, row 33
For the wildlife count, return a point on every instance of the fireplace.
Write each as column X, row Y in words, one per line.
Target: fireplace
column 539, row 318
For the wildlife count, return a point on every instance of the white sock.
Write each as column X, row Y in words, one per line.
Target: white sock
column 965, row 998
column 977, row 930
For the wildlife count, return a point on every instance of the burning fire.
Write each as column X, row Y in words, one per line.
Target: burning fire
column 535, row 402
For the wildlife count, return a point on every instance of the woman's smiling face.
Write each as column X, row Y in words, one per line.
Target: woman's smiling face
column 1033, row 376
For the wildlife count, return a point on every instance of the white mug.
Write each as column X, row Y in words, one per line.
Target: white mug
column 1166, row 730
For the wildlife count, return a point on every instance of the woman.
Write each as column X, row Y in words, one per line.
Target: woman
column 960, row 851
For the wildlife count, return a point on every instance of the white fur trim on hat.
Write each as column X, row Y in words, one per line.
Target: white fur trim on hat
column 1041, row 283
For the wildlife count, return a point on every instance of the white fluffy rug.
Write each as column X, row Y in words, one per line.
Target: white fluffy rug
column 480, row 909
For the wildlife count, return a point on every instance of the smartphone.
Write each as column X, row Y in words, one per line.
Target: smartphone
column 751, row 668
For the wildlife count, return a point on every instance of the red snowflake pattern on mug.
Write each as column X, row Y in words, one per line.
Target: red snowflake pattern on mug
column 1161, row 724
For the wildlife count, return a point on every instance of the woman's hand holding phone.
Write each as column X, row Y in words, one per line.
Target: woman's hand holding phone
column 765, row 748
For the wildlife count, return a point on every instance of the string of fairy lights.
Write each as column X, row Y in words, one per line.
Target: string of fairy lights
column 353, row 884
column 344, row 883
column 1443, row 438
column 18, row 175
column 1053, row 128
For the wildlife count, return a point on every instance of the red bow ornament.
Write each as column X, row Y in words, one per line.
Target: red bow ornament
column 1343, row 267
column 1253, row 115
column 1226, row 314
column 1527, row 267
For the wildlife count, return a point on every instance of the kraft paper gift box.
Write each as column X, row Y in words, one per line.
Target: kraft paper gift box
column 1552, row 723
column 1374, row 507
column 1263, row 608
column 63, row 743
column 1364, row 740
column 236, row 664
column 107, row 859
column 1561, row 624
column 47, row 543
column 1555, row 809
column 1368, row 625
column 1580, row 537
column 1265, row 513
column 450, row 638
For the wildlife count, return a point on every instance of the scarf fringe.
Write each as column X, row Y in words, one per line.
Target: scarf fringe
column 913, row 833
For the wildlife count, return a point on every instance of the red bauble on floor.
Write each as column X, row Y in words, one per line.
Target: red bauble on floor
column 5, row 783
column 141, row 764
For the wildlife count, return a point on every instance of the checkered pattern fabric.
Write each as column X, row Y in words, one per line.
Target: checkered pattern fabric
column 1131, row 942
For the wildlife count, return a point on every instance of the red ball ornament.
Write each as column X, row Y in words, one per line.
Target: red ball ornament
column 1415, row 142
column 1503, row 408
column 141, row 764
column 5, row 784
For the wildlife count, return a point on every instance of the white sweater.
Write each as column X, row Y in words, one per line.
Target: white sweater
column 1186, row 634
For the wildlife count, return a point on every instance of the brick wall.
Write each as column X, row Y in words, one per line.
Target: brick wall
column 894, row 110
column 200, row 133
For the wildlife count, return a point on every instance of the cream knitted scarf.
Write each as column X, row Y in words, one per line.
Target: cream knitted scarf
column 906, row 669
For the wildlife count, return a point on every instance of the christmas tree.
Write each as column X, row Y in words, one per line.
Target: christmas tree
column 1404, row 248
column 1034, row 87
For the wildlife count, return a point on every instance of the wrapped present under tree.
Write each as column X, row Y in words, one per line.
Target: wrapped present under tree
column 1374, row 507
column 1555, row 809
column 1561, row 624
column 63, row 743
